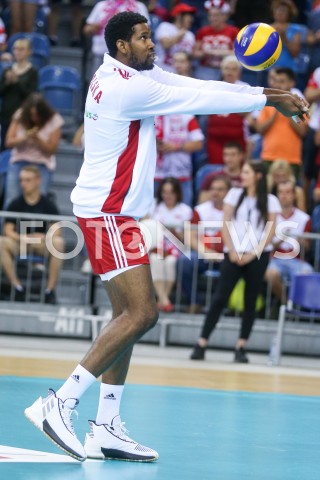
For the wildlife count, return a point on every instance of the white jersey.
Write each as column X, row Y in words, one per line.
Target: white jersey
column 120, row 142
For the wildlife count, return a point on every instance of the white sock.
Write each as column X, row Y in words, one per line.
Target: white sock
column 109, row 403
column 75, row 386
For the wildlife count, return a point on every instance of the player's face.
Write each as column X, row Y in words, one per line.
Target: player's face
column 141, row 48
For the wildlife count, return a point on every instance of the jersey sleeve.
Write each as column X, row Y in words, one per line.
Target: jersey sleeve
column 146, row 97
column 169, row 78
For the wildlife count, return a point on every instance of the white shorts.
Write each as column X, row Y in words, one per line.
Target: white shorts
column 106, row 277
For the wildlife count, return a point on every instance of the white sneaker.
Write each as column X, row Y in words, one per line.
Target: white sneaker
column 53, row 417
column 111, row 442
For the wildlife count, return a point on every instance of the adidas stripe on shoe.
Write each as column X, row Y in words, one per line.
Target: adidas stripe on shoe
column 52, row 416
column 111, row 442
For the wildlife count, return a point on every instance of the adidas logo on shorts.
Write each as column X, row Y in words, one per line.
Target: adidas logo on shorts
column 76, row 378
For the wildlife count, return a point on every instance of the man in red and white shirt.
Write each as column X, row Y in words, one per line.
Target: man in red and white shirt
column 114, row 189
column 209, row 242
column 291, row 223
column 178, row 136
column 176, row 36
column 214, row 41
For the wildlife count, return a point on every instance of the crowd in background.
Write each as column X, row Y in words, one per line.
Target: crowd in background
column 199, row 158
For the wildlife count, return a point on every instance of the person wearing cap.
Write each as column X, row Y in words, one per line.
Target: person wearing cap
column 214, row 41
column 175, row 36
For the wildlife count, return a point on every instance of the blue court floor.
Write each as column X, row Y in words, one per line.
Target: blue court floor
column 200, row 434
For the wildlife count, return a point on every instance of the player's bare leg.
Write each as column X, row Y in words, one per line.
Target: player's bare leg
column 108, row 439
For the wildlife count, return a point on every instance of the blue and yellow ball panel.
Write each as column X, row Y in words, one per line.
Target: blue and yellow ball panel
column 257, row 46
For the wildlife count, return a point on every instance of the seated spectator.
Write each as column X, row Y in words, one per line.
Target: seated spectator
column 4, row 56
column 34, row 241
column 168, row 210
column 98, row 19
column 310, row 148
column 279, row 172
column 283, row 267
column 316, row 190
column 247, row 11
column 233, row 158
column 275, row 127
column 230, row 127
column 283, row 12
column 182, row 64
column 175, row 36
column 214, row 41
column 210, row 243
column 16, row 84
column 34, row 136
column 178, row 136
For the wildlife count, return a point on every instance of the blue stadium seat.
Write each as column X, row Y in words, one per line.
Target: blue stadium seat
column 60, row 86
column 40, row 47
column 303, row 302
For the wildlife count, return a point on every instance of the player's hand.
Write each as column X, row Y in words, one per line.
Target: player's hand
column 290, row 105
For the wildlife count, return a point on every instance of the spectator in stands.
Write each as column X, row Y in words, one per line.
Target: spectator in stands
column 310, row 149
column 248, row 11
column 286, row 262
column 22, row 15
column 16, row 84
column 316, row 190
column 178, row 136
column 283, row 12
column 225, row 128
column 76, row 21
column 246, row 213
column 233, row 157
column 176, row 36
column 279, row 172
column 98, row 19
column 275, row 128
column 34, row 240
column 4, row 56
column 34, row 136
column 214, row 42
column 209, row 243
column 170, row 211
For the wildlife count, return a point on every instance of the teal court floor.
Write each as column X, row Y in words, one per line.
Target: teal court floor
column 200, row 435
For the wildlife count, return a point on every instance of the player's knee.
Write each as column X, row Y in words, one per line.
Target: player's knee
column 149, row 318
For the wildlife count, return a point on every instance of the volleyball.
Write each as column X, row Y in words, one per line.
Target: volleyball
column 257, row 46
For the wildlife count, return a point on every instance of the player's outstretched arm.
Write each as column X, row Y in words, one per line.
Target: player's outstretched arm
column 288, row 104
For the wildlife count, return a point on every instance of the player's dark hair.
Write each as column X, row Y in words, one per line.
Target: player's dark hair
column 176, row 187
column 121, row 27
column 261, row 191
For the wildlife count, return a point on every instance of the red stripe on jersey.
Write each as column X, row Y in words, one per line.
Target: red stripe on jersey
column 124, row 172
